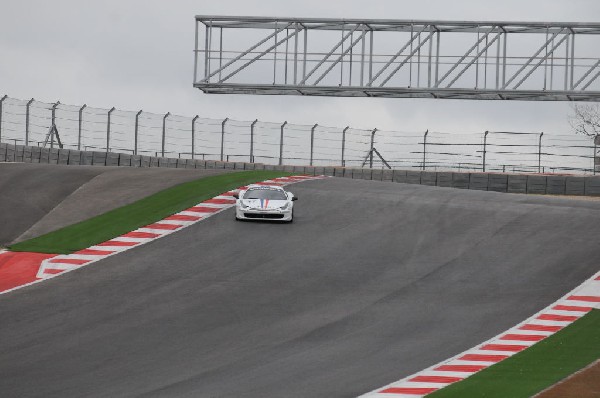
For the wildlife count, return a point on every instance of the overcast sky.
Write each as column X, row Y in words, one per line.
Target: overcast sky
column 138, row 55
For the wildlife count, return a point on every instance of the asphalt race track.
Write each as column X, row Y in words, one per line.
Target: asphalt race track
column 372, row 282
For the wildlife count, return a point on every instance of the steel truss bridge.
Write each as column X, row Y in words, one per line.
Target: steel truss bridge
column 398, row 58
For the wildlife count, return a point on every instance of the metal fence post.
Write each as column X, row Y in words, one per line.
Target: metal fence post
column 596, row 157
column 372, row 148
column 79, row 126
column 540, row 152
column 1, row 102
column 136, row 132
column 484, row 148
column 281, row 143
column 252, row 140
column 164, row 133
column 312, row 142
column 425, row 148
column 27, row 121
column 194, row 136
column 53, row 123
column 223, row 136
column 344, row 145
column 108, row 129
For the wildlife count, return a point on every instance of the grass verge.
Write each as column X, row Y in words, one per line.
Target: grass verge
column 143, row 212
column 536, row 368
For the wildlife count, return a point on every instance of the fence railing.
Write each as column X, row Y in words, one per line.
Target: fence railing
column 85, row 127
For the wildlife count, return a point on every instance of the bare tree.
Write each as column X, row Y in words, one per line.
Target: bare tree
column 585, row 119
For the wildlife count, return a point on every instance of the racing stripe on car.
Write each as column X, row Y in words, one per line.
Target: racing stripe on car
column 57, row 265
column 538, row 327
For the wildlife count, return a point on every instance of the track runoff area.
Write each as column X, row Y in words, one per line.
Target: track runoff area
column 515, row 342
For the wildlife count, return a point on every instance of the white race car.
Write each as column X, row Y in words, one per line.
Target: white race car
column 264, row 202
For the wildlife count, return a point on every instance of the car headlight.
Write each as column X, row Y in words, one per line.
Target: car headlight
column 243, row 205
column 284, row 207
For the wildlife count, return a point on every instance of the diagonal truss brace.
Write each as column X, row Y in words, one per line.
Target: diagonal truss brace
column 530, row 60
column 344, row 38
column 243, row 54
column 387, row 65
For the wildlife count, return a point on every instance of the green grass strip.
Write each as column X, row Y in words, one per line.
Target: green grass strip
column 536, row 368
column 143, row 212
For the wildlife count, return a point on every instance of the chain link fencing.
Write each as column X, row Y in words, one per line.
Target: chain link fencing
column 87, row 128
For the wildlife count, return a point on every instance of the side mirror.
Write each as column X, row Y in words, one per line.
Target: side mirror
column 236, row 195
column 294, row 198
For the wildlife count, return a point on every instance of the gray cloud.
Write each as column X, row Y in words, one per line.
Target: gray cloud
column 138, row 54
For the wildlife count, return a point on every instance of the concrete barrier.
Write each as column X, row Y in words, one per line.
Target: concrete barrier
column 377, row 174
column 19, row 153
column 145, row 161
column 399, row 176
column 592, row 186
column 54, row 155
column 135, row 161
column 388, row 175
column 10, row 153
column 413, row 177
column 444, row 179
column 172, row 163
column 125, row 159
column 517, row 183
column 429, row 178
column 575, row 186
column 461, row 180
column 367, row 174
column 99, row 158
column 112, row 159
column 74, row 157
column 3, row 152
column 310, row 170
column 513, row 183
column 498, row 182
column 163, row 162
column 536, row 184
column 556, row 185
column 87, row 158
column 36, row 152
column 479, row 181
column 44, row 155
column 27, row 152
column 63, row 156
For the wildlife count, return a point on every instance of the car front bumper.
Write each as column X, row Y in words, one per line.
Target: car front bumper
column 270, row 215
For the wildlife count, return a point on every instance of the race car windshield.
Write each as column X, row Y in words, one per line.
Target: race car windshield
column 271, row 194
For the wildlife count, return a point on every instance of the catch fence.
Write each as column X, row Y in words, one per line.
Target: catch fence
column 29, row 122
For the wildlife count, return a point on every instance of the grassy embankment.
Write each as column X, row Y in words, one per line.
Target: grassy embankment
column 143, row 212
column 537, row 367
